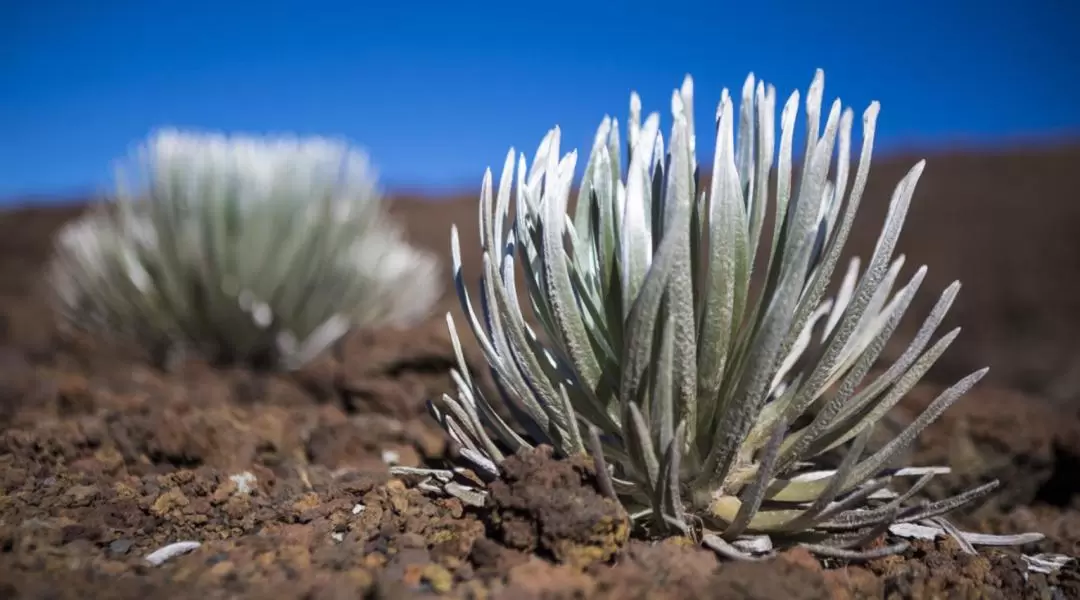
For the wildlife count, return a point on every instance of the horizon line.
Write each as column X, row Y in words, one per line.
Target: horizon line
column 896, row 150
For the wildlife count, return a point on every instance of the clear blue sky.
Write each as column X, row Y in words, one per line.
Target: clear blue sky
column 437, row 91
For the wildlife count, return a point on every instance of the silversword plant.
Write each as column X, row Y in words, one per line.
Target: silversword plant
column 241, row 249
column 708, row 404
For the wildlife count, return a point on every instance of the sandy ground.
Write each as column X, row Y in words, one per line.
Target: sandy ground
column 104, row 459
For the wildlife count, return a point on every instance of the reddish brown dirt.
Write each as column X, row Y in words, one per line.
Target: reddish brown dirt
column 104, row 459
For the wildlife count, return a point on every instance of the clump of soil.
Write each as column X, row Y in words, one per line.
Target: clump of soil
column 282, row 479
column 553, row 508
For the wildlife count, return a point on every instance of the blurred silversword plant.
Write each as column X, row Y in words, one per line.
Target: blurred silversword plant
column 708, row 404
column 241, row 249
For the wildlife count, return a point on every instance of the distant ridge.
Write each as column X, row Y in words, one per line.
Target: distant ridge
column 898, row 153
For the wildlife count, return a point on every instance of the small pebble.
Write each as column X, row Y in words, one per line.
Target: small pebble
column 120, row 546
column 244, row 482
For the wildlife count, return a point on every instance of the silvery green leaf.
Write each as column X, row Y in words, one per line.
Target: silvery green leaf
column 635, row 239
column 678, row 206
column 642, row 321
column 726, row 271
column 1044, row 562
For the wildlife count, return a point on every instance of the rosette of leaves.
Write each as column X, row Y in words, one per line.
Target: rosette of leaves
column 260, row 251
column 712, row 406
